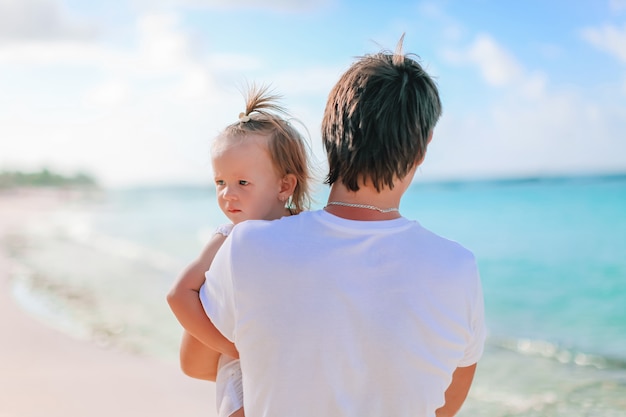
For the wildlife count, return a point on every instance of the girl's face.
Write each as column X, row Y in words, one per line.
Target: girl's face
column 247, row 184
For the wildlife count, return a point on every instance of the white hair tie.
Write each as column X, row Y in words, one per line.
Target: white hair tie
column 243, row 118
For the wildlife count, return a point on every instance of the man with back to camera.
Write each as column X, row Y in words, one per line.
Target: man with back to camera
column 354, row 310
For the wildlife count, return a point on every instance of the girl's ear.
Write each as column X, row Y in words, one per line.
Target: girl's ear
column 287, row 186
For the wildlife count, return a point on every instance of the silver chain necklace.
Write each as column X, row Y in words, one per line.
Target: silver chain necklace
column 363, row 206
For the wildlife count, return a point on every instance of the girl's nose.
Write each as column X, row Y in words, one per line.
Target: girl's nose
column 228, row 193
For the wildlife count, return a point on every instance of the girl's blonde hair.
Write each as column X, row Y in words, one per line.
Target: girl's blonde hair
column 286, row 146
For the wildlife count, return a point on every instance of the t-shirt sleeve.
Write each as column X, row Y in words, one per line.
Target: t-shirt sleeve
column 217, row 293
column 224, row 229
column 476, row 345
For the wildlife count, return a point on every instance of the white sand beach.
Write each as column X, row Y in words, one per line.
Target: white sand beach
column 44, row 372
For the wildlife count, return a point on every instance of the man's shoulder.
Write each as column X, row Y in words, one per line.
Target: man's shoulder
column 260, row 227
column 444, row 245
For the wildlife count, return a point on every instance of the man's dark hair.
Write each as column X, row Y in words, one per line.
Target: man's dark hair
column 378, row 120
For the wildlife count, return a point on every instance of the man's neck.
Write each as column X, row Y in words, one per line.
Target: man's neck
column 367, row 204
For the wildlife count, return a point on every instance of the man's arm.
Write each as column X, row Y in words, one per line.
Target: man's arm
column 457, row 391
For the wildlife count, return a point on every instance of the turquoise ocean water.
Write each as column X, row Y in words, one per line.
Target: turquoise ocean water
column 552, row 256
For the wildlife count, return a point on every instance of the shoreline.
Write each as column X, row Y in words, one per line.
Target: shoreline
column 44, row 372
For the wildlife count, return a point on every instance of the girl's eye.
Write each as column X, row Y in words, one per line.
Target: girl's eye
column 243, row 182
column 219, row 182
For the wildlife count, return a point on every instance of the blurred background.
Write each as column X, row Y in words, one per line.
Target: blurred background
column 108, row 109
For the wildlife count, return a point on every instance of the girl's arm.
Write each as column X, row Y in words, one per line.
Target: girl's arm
column 197, row 360
column 184, row 300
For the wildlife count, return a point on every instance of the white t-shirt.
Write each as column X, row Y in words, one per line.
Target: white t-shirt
column 228, row 385
column 336, row 317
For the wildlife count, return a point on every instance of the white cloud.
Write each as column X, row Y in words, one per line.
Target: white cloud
column 550, row 50
column 496, row 65
column 151, row 138
column 450, row 28
column 233, row 61
column 153, row 104
column 62, row 52
column 533, row 85
column 530, row 130
column 320, row 79
column 272, row 5
column 109, row 93
column 196, row 83
column 162, row 47
column 556, row 134
column 608, row 38
column 162, row 52
column 617, row 5
column 39, row 19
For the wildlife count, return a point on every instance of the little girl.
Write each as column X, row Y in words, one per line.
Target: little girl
column 261, row 172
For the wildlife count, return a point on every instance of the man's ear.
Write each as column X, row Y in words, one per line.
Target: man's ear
column 287, row 186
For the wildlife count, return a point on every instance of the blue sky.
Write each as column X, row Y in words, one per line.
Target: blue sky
column 134, row 91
